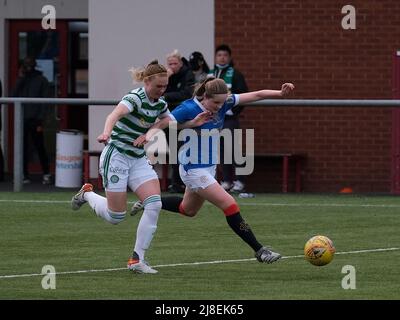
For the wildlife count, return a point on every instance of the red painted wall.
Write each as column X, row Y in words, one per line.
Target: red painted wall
column 303, row 42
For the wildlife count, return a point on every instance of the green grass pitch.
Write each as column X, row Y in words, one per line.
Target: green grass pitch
column 40, row 229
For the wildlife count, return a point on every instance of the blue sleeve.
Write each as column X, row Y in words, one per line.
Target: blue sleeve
column 182, row 114
column 231, row 101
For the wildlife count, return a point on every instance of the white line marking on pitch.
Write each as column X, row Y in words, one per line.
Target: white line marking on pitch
column 321, row 205
column 241, row 203
column 34, row 201
column 183, row 264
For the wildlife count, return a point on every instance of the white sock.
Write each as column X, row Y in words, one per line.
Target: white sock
column 147, row 224
column 99, row 206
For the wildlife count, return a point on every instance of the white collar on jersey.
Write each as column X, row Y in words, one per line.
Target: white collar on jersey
column 199, row 104
column 151, row 103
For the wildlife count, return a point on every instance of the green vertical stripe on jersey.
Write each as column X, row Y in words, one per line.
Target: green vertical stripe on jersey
column 106, row 164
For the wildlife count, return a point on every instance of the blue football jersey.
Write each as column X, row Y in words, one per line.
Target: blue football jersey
column 201, row 144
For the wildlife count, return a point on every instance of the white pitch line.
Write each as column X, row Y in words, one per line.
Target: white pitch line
column 183, row 264
column 241, row 204
column 34, row 201
column 368, row 250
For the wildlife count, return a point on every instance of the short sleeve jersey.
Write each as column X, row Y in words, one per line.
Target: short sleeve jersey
column 201, row 144
column 142, row 116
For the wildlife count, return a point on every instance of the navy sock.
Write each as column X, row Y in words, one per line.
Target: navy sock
column 171, row 203
column 242, row 229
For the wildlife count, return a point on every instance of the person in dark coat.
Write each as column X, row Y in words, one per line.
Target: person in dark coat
column 31, row 83
column 180, row 88
column 199, row 66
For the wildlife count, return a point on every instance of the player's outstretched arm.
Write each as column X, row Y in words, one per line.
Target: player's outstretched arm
column 286, row 89
column 119, row 111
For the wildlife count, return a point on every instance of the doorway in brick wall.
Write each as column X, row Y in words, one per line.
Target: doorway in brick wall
column 62, row 57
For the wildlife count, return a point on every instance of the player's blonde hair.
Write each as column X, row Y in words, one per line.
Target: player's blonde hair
column 151, row 70
column 209, row 87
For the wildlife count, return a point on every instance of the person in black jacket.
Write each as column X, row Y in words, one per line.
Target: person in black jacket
column 31, row 83
column 180, row 88
column 199, row 66
column 236, row 83
column 180, row 81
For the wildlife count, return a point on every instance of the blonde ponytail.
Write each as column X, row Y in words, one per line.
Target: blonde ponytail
column 151, row 70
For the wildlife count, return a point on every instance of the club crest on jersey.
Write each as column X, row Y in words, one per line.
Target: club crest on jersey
column 143, row 122
column 114, row 178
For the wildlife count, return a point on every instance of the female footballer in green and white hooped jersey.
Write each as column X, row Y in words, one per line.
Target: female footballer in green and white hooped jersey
column 143, row 114
column 123, row 165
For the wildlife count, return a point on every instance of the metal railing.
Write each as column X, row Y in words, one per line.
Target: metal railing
column 18, row 116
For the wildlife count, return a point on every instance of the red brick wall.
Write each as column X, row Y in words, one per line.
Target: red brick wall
column 303, row 42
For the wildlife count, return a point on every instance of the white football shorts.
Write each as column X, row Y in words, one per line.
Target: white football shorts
column 199, row 178
column 119, row 171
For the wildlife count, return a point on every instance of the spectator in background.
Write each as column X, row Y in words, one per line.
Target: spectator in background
column 31, row 83
column 236, row 83
column 180, row 80
column 1, row 149
column 180, row 88
column 199, row 66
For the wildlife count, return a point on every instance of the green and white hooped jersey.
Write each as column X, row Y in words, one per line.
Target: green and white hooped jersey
column 142, row 116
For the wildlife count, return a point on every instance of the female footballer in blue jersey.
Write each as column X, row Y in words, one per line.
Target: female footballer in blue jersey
column 198, row 173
